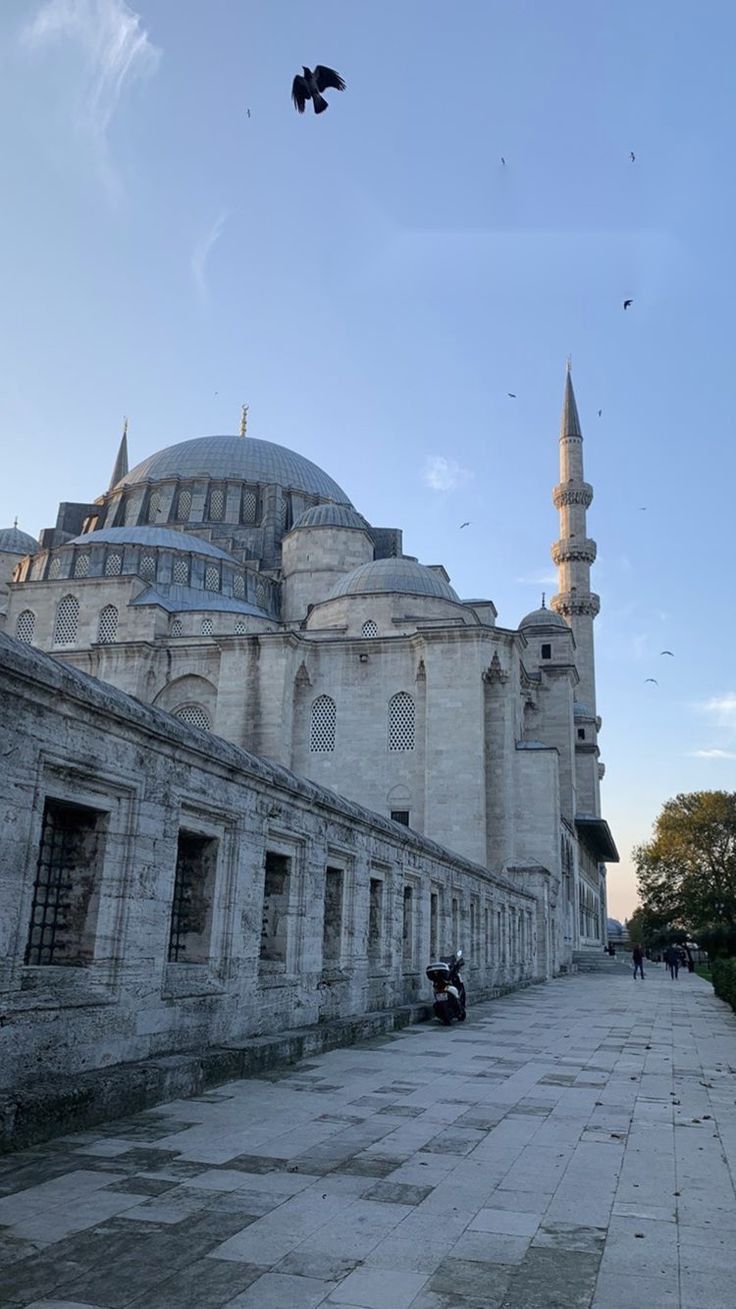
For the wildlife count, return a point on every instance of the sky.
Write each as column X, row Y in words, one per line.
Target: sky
column 374, row 281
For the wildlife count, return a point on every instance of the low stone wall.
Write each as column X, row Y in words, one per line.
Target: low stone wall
column 162, row 891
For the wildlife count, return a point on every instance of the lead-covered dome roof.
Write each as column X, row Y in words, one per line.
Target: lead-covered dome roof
column 386, row 575
column 238, row 458
column 543, row 618
column 162, row 538
column 15, row 542
column 331, row 515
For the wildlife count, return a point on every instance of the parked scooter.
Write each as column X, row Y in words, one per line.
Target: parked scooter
column 448, row 986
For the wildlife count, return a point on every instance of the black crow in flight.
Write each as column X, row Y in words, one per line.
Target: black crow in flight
column 311, row 84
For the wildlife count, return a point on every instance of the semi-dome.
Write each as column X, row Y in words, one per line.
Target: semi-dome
column 242, row 459
column 331, row 515
column 386, row 575
column 163, row 538
column 543, row 618
column 15, row 542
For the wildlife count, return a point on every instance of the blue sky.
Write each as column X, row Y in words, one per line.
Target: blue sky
column 373, row 282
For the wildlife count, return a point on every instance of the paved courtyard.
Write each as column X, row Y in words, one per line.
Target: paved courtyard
column 572, row 1145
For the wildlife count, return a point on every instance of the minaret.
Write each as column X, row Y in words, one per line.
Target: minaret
column 573, row 555
column 121, row 463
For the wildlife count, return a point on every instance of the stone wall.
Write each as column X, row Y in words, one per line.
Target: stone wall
column 162, row 890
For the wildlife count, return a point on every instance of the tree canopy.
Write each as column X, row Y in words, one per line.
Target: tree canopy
column 687, row 871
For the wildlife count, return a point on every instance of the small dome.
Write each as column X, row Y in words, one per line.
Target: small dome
column 331, row 515
column 240, row 459
column 543, row 618
column 164, row 538
column 614, row 927
column 386, row 575
column 15, row 542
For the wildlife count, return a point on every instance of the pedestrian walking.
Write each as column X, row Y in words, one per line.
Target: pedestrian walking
column 672, row 960
column 637, row 954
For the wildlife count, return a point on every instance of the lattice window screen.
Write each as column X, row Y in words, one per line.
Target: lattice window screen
column 176, row 628
column 107, row 628
column 147, row 568
column 113, row 563
column 81, row 566
column 401, row 722
column 240, row 628
column 207, row 629
column 212, row 578
column 249, row 508
column 369, row 628
column 260, row 595
column 67, row 618
column 184, row 506
column 154, row 507
column 239, row 587
column 194, row 715
column 323, row 725
column 25, row 626
column 217, row 504
column 180, row 571
column 131, row 513
column 54, row 569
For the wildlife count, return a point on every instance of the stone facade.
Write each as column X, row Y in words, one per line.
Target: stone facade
column 163, row 890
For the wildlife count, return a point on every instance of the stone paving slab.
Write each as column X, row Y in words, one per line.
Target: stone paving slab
column 571, row 1146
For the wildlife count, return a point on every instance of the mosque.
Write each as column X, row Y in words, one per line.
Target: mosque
column 232, row 583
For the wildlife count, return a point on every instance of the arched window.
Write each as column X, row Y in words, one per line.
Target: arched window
column 184, row 505
column 401, row 722
column 113, row 563
column 217, row 504
column 54, row 568
column 25, row 626
column 260, row 595
column 67, row 618
column 240, row 627
column 194, row 715
column 207, row 628
column 323, row 725
column 212, row 577
column 131, row 512
column 81, row 565
column 369, row 628
column 239, row 586
column 249, row 508
column 180, row 571
column 107, row 627
column 176, row 628
column 147, row 567
column 154, row 506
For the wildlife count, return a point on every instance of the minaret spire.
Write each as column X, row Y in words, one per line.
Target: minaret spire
column 243, row 419
column 121, row 462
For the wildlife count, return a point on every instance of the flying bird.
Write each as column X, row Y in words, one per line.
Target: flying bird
column 462, row 525
column 511, row 395
column 632, row 156
column 503, row 161
column 668, row 652
column 642, row 509
column 627, row 303
column 310, row 86
column 248, row 112
column 651, row 679
column 600, row 413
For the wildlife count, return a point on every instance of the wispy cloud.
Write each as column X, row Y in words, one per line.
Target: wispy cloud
column 115, row 49
column 713, row 754
column 722, row 708
column 537, row 579
column 441, row 474
column 202, row 251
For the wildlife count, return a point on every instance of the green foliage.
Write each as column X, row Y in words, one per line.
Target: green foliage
column 687, row 872
column 723, row 975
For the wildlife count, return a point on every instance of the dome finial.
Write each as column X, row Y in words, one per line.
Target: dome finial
column 243, row 419
column 544, row 597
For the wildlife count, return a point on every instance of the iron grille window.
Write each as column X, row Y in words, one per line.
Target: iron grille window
column 67, row 619
column 184, row 505
column 323, row 725
column 147, row 568
column 212, row 578
column 240, row 628
column 107, row 627
column 249, row 508
column 400, row 816
column 260, row 595
column 176, row 628
column 180, row 571
column 154, row 507
column 369, row 628
column 207, row 628
column 61, row 930
column 401, row 722
column 54, row 568
column 194, row 715
column 191, row 907
column 113, row 563
column 239, row 586
column 81, row 565
column 217, row 504
column 25, row 626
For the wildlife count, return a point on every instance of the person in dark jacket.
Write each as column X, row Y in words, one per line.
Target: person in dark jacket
column 637, row 954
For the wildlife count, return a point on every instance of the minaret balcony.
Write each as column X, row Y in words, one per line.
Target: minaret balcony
column 569, row 603
column 572, row 493
column 570, row 551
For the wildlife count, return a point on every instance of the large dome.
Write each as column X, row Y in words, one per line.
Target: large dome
column 386, row 575
column 15, row 542
column 240, row 459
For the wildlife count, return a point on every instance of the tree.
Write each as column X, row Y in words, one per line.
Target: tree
column 687, row 872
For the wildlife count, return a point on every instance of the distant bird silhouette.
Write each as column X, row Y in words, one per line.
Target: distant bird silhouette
column 651, row 679
column 642, row 509
column 511, row 395
column 248, row 112
column 462, row 525
column 310, row 86
column 627, row 303
column 632, row 156
column 600, row 413
column 503, row 161
column 668, row 652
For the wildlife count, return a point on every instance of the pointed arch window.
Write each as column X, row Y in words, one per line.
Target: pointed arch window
column 212, row 577
column 207, row 629
column 323, row 725
column 249, row 508
column 113, row 563
column 81, row 565
column 401, row 722
column 67, row 621
column 369, row 628
column 241, row 627
column 54, row 568
column 184, row 505
column 180, row 571
column 176, row 628
column 147, row 568
column 154, row 507
column 239, row 586
column 217, row 504
column 25, row 626
column 194, row 715
column 107, row 627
